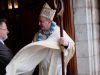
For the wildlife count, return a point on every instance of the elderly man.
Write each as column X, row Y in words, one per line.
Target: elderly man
column 5, row 53
column 44, row 50
column 47, row 28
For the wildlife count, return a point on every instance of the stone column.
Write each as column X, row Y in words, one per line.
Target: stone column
column 87, row 34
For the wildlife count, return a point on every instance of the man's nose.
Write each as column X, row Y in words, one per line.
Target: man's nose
column 7, row 31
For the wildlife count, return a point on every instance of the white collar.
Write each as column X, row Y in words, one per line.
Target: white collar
column 1, row 41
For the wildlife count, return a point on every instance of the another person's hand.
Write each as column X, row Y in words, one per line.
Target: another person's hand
column 63, row 41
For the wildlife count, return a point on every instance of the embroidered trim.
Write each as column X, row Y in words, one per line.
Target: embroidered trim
column 40, row 36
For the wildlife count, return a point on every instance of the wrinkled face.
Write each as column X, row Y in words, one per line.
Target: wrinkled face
column 3, row 31
column 44, row 23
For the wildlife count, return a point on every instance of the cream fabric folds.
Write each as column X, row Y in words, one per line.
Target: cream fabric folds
column 70, row 53
column 28, row 57
column 47, row 12
column 25, row 61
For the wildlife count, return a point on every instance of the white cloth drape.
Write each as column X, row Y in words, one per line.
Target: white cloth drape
column 25, row 61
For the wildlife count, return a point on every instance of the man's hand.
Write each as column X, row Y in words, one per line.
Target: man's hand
column 63, row 41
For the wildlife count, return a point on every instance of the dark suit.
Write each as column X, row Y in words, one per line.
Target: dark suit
column 5, row 57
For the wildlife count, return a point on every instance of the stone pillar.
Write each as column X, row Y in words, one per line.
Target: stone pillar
column 87, row 33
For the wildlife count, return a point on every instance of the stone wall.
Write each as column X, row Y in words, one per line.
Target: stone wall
column 87, row 35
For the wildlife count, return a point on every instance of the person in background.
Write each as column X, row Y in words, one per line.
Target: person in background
column 5, row 53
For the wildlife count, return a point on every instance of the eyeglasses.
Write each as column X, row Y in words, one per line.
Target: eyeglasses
column 3, row 29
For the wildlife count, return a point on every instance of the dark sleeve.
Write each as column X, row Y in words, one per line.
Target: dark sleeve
column 5, row 56
column 66, row 46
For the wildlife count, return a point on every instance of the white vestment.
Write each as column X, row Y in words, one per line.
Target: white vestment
column 46, row 53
